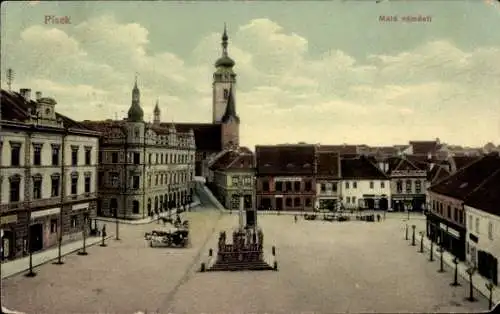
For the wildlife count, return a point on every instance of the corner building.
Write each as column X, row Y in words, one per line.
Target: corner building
column 145, row 168
column 48, row 175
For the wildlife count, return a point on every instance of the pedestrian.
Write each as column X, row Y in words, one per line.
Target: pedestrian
column 378, row 217
column 295, row 217
column 104, row 231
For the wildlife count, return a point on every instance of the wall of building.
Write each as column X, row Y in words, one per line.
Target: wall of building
column 353, row 191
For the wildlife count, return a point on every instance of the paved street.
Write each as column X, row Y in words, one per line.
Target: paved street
column 324, row 267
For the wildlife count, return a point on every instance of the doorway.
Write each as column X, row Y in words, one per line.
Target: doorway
column 279, row 203
column 36, row 237
column 383, row 203
column 251, row 218
column 7, row 245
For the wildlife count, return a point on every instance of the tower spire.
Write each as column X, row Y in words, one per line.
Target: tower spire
column 156, row 112
column 224, row 41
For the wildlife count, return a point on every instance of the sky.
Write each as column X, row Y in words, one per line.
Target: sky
column 325, row 72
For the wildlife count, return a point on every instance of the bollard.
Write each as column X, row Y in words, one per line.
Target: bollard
column 210, row 252
column 413, row 235
column 431, row 252
column 274, row 250
column 406, row 232
column 275, row 265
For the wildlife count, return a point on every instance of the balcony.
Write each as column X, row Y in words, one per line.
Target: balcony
column 11, row 207
column 328, row 193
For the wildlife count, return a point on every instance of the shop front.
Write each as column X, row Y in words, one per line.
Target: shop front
column 7, row 236
column 443, row 232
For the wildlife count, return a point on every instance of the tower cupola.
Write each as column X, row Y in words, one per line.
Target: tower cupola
column 135, row 112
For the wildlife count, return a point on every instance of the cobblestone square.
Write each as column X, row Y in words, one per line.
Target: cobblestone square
column 324, row 267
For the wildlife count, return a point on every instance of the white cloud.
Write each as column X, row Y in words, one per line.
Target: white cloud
column 283, row 94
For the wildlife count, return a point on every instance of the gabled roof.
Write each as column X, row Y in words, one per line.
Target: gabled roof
column 296, row 159
column 424, row 147
column 361, row 169
column 420, row 161
column 462, row 161
column 15, row 107
column 328, row 164
column 463, row 182
column 341, row 149
column 487, row 196
column 233, row 160
column 405, row 165
column 437, row 173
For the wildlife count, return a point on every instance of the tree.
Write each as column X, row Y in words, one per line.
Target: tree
column 10, row 77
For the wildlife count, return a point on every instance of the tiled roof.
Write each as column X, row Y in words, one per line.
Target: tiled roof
column 487, row 196
column 421, row 161
column 460, row 184
column 285, row 159
column 462, row 161
column 233, row 160
column 361, row 169
column 405, row 165
column 16, row 108
column 437, row 173
column 328, row 164
column 208, row 136
column 245, row 149
column 424, row 147
column 341, row 149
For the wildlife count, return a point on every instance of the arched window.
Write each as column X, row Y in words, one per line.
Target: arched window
column 135, row 207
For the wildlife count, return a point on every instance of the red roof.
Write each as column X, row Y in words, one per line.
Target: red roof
column 487, row 196
column 233, row 160
column 285, row 159
column 463, row 182
column 328, row 164
column 361, row 169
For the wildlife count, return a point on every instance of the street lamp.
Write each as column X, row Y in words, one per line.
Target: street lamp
column 103, row 234
column 421, row 242
column 441, row 251
column 470, row 271
column 84, row 233
column 431, row 253
column 455, row 282
column 117, row 224
column 413, row 235
column 490, row 286
column 30, row 273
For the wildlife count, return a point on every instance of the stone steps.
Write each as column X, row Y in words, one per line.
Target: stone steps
column 240, row 266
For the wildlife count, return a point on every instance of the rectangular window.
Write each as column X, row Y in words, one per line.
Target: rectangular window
column 114, row 179
column 278, row 186
column 88, row 155
column 150, row 158
column 54, row 186
column 288, row 202
column 347, row 185
column 418, row 187
column 15, row 155
column 308, row 186
column 382, row 185
column 399, row 187
column 37, row 155
column 55, row 155
column 334, row 186
column 355, row 185
column 288, row 186
column 323, row 187
column 477, row 225
column 408, row 186
column 15, row 189
column 99, row 157
column 448, row 211
column 296, row 202
column 53, row 226
column 87, row 184
column 74, row 156
column 74, row 221
column 265, row 186
column 308, row 202
column 136, row 182
column 371, row 184
column 471, row 222
column 455, row 214
column 114, row 157
column 348, row 200
column 354, row 199
column 37, row 188
column 74, row 184
column 490, row 230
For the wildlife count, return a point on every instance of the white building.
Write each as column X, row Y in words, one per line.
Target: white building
column 482, row 209
column 48, row 174
column 364, row 185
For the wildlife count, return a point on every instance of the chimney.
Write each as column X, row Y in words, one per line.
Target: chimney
column 38, row 95
column 26, row 93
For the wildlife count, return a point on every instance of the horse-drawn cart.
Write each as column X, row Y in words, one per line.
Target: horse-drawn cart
column 176, row 237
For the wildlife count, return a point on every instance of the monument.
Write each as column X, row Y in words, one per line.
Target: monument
column 246, row 252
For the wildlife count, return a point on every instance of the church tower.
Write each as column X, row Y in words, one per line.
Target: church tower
column 135, row 112
column 224, row 80
column 156, row 113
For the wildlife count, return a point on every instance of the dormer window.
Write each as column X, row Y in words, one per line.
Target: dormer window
column 47, row 111
column 226, row 93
